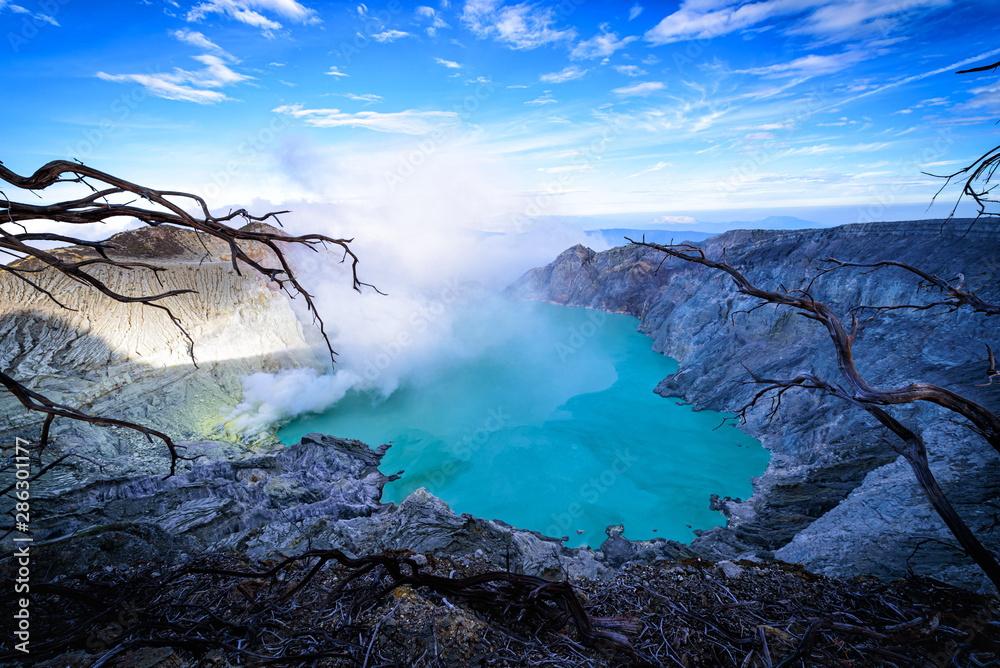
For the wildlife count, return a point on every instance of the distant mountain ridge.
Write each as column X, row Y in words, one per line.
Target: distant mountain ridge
column 615, row 236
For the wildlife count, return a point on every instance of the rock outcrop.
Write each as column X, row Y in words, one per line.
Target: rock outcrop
column 131, row 361
column 835, row 497
column 322, row 492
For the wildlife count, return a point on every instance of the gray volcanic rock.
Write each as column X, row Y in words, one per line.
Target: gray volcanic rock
column 131, row 362
column 113, row 505
column 834, row 496
column 618, row 550
column 323, row 492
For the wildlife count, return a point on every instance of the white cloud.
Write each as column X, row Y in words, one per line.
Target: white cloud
column 830, row 20
column 566, row 168
column 600, row 46
column 544, row 98
column 655, row 168
column 367, row 98
column 197, row 39
column 448, row 63
column 696, row 19
column 987, row 96
column 411, row 121
column 521, row 26
column 435, row 19
column 186, row 85
column 932, row 102
column 635, row 11
column 161, row 86
column 245, row 11
column 942, row 163
column 567, row 74
column 215, row 73
column 915, row 77
column 335, row 72
column 675, row 220
column 841, row 122
column 38, row 16
column 642, row 89
column 389, row 36
column 767, row 127
column 848, row 19
column 821, row 149
column 631, row 70
column 811, row 65
column 270, row 399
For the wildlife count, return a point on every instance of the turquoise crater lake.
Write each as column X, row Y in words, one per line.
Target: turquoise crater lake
column 545, row 417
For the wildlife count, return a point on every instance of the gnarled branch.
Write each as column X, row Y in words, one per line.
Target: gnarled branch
column 164, row 207
column 859, row 392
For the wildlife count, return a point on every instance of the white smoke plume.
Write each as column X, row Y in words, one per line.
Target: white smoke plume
column 445, row 238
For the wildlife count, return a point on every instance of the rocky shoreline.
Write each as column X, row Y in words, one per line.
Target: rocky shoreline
column 110, row 505
column 321, row 493
column 834, row 497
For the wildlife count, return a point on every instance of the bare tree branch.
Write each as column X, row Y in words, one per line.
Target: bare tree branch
column 96, row 208
column 859, row 392
column 984, row 68
column 165, row 207
column 981, row 418
column 953, row 288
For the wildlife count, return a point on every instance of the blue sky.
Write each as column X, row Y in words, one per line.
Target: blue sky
column 487, row 109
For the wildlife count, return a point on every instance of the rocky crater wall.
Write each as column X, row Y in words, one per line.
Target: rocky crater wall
column 834, row 497
column 131, row 361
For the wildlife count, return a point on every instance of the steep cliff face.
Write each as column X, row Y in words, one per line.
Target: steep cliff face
column 131, row 361
column 834, row 498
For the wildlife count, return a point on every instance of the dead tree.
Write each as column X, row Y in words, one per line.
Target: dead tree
column 854, row 389
column 113, row 197
column 977, row 177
